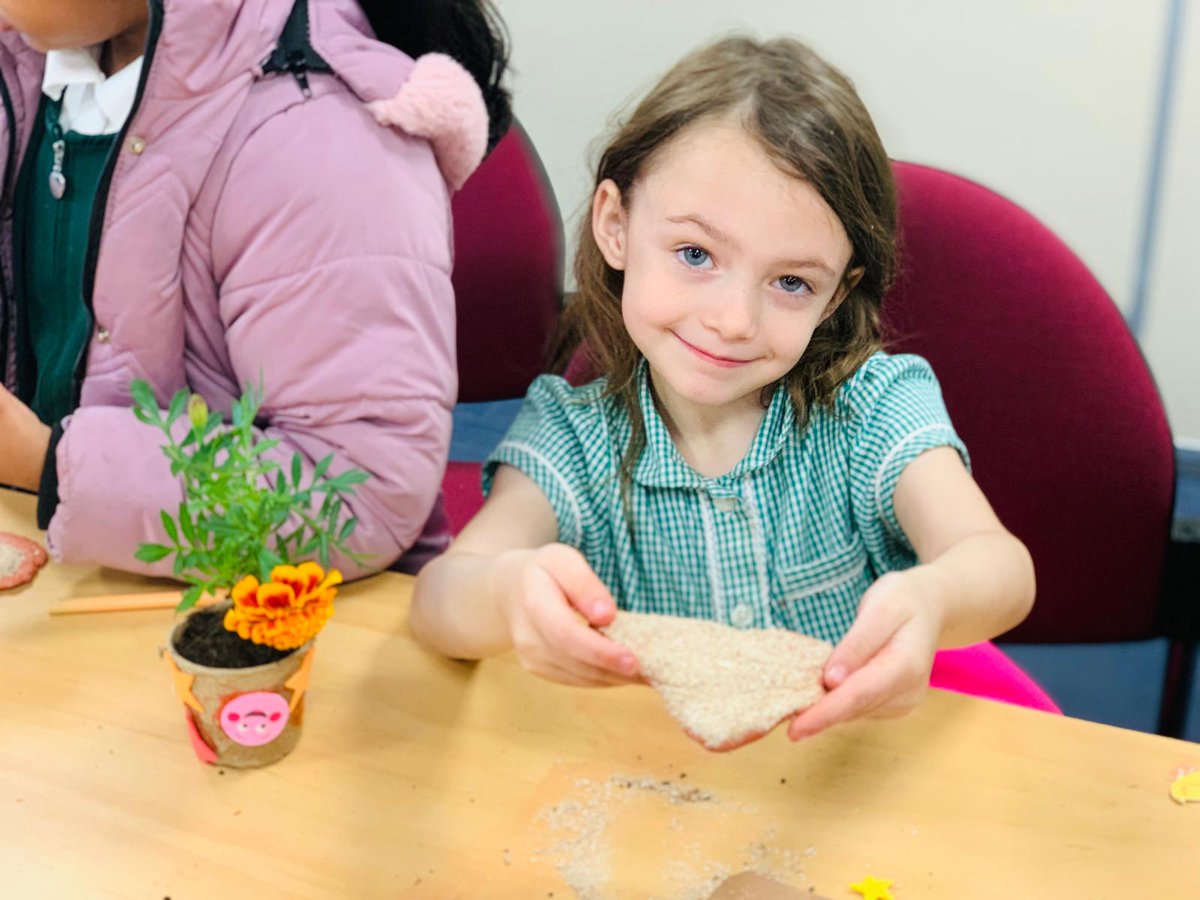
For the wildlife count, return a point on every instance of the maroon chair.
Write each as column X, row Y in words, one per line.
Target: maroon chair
column 508, row 271
column 508, row 284
column 1066, row 429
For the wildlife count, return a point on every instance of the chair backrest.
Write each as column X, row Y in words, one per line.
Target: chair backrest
column 508, row 271
column 1048, row 389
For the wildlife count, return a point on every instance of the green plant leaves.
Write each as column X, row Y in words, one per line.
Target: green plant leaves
column 190, row 597
column 322, row 468
column 178, row 404
column 152, row 553
column 267, row 560
column 169, row 525
column 240, row 515
column 143, row 397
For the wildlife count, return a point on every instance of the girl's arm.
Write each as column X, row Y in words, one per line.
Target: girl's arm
column 504, row 584
column 24, row 440
column 975, row 581
column 331, row 261
column 980, row 576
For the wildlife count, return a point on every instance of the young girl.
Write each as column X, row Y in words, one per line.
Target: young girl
column 213, row 194
column 749, row 455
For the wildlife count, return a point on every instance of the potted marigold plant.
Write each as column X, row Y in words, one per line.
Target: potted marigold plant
column 254, row 540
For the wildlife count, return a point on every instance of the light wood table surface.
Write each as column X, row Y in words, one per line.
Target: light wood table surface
column 422, row 777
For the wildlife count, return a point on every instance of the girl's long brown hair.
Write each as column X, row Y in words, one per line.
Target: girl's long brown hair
column 812, row 124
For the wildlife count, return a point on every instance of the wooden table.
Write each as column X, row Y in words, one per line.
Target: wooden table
column 421, row 777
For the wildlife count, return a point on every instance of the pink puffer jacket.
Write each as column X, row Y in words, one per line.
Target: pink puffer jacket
column 266, row 227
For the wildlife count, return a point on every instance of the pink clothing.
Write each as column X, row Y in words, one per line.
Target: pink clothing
column 982, row 670
column 255, row 234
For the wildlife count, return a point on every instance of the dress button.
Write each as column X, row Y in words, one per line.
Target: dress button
column 742, row 616
column 727, row 504
column 137, row 146
column 103, row 336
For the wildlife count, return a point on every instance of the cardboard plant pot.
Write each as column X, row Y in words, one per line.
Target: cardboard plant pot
column 241, row 717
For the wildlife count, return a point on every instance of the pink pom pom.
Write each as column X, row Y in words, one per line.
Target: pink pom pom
column 442, row 103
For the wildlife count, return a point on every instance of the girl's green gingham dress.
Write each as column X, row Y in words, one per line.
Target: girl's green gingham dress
column 790, row 538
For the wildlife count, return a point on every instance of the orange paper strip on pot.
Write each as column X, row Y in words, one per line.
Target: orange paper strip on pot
column 183, row 684
column 298, row 683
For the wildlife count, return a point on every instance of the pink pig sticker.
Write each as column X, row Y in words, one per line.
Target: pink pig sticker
column 254, row 719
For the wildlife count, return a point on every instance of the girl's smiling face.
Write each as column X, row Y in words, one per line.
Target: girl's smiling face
column 729, row 266
column 68, row 24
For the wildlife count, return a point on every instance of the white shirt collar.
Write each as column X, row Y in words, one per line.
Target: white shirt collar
column 92, row 103
column 67, row 67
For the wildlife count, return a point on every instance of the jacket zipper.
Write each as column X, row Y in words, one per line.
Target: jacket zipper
column 8, row 306
column 100, row 202
column 294, row 54
column 298, row 61
column 11, row 115
column 13, row 180
column 298, row 69
column 58, row 180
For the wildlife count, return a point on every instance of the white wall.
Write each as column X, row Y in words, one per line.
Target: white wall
column 1051, row 104
column 1172, row 332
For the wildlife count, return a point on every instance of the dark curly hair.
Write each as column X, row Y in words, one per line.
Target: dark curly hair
column 471, row 31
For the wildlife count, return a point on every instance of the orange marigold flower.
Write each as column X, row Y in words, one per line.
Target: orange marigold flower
column 287, row 611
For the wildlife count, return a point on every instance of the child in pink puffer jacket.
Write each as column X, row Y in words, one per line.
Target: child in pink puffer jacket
column 230, row 192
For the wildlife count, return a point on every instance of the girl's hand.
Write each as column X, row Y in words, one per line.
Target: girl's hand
column 24, row 440
column 881, row 667
column 552, row 609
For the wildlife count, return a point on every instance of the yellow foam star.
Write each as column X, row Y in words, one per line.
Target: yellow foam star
column 1186, row 788
column 873, row 888
column 183, row 684
column 299, row 680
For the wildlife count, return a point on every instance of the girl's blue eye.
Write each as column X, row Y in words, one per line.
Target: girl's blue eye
column 694, row 257
column 793, row 284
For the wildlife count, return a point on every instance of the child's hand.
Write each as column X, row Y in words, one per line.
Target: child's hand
column 23, row 442
column 881, row 667
column 552, row 590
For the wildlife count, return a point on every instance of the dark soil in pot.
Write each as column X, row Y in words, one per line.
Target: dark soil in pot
column 206, row 642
